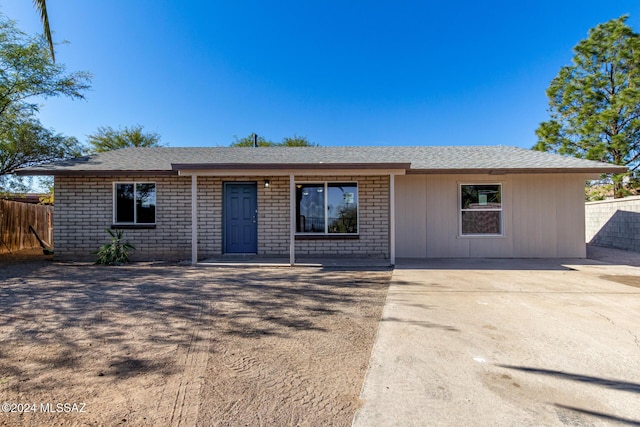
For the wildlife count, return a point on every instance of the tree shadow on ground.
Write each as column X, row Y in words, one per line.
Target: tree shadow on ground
column 74, row 308
column 604, row 382
column 601, row 415
column 421, row 323
column 625, row 386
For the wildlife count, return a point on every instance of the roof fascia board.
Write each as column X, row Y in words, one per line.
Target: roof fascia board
column 287, row 172
column 71, row 172
column 498, row 172
column 288, row 166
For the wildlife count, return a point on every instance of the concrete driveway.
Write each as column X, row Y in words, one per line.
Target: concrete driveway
column 507, row 342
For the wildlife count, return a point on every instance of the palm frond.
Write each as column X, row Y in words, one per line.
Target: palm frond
column 41, row 5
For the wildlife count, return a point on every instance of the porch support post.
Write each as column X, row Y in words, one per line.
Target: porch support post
column 392, row 219
column 292, row 220
column 194, row 219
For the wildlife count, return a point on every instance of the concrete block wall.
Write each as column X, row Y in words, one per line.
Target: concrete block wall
column 373, row 227
column 209, row 216
column 273, row 215
column 614, row 223
column 273, row 218
column 84, row 209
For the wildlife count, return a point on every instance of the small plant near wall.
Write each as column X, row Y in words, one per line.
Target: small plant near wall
column 114, row 252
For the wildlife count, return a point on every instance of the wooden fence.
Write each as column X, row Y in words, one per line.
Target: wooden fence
column 15, row 219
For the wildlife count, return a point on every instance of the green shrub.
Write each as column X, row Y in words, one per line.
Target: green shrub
column 114, row 252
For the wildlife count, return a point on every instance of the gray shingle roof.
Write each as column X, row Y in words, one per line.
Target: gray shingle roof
column 425, row 159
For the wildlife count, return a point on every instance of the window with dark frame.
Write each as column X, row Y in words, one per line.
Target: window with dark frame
column 481, row 210
column 134, row 203
column 327, row 208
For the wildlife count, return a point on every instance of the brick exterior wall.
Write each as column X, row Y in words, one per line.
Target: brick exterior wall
column 373, row 227
column 614, row 223
column 84, row 209
column 273, row 215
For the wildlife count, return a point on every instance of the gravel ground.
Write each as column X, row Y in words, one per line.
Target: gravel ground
column 173, row 345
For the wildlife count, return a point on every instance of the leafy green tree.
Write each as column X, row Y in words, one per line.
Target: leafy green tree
column 294, row 141
column 27, row 73
column 297, row 141
column 106, row 138
column 594, row 104
column 247, row 141
column 26, row 142
column 47, row 182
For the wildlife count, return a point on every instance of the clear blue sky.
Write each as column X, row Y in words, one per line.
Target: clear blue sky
column 337, row 72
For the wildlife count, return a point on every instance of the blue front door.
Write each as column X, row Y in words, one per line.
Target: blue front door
column 240, row 218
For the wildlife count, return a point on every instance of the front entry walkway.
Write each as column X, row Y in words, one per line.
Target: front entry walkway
column 506, row 342
column 261, row 261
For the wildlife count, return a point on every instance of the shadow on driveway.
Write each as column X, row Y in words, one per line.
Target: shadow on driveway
column 609, row 383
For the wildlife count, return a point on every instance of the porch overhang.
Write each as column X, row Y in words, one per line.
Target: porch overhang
column 281, row 169
column 195, row 170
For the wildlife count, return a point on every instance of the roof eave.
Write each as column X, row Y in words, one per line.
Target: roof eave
column 297, row 166
column 74, row 172
column 506, row 171
column 177, row 167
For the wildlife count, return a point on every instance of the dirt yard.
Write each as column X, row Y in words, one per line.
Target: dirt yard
column 176, row 345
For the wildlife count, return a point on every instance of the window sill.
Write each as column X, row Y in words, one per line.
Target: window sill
column 133, row 226
column 327, row 237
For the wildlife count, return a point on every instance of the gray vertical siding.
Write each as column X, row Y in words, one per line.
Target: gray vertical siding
column 543, row 216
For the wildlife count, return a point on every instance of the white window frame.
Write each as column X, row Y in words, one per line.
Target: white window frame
column 135, row 205
column 460, row 210
column 326, row 199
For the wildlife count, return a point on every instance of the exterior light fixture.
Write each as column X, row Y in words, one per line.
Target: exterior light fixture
column 267, row 183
